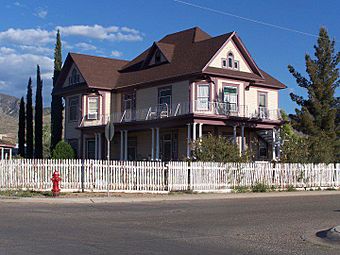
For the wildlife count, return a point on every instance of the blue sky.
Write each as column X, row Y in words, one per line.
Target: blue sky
column 123, row 29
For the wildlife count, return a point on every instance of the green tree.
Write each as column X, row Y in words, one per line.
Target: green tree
column 294, row 146
column 29, row 121
column 317, row 114
column 38, row 118
column 21, row 130
column 56, row 103
column 217, row 149
column 63, row 151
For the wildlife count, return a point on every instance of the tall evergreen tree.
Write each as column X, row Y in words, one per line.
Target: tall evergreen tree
column 29, row 121
column 57, row 103
column 21, row 130
column 38, row 118
column 317, row 116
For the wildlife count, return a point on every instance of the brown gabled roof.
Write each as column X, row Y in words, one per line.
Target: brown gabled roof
column 190, row 55
column 98, row 72
column 188, row 52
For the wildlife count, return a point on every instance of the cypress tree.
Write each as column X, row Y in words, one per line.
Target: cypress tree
column 56, row 103
column 38, row 118
column 21, row 130
column 29, row 121
column 317, row 115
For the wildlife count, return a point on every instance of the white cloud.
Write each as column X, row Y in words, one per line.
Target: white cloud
column 31, row 36
column 6, row 51
column 41, row 12
column 116, row 53
column 3, row 84
column 36, row 49
column 112, row 33
column 85, row 46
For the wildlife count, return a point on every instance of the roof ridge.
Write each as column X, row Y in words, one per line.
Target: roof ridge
column 93, row 56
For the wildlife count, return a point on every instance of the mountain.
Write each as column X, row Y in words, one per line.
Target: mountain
column 9, row 116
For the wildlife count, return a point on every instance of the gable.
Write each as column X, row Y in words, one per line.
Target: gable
column 157, row 58
column 222, row 54
column 73, row 77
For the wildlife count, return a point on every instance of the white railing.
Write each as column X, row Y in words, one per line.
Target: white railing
column 147, row 176
column 233, row 109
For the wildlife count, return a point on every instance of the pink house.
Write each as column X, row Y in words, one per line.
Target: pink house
column 184, row 86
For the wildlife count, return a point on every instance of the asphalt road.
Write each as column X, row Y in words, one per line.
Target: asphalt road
column 230, row 226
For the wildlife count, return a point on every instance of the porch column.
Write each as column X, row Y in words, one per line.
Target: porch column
column 126, row 145
column 121, row 144
column 152, row 143
column 194, row 131
column 274, row 143
column 2, row 153
column 188, row 140
column 234, row 134
column 200, row 130
column 10, row 153
column 243, row 140
column 157, row 143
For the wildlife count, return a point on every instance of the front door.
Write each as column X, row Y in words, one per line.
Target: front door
column 90, row 149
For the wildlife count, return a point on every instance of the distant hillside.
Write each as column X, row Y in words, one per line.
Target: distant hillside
column 9, row 115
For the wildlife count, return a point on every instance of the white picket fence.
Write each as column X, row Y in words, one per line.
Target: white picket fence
column 147, row 176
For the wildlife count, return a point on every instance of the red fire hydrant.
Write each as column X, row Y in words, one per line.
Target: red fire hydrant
column 55, row 181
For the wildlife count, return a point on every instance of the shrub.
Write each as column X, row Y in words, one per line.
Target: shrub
column 291, row 188
column 63, row 151
column 259, row 187
column 241, row 189
column 217, row 149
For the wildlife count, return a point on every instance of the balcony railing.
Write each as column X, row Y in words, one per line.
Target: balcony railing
column 199, row 107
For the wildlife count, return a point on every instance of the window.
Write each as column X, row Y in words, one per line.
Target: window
column 230, row 98
column 157, row 57
column 90, row 149
column 132, row 148
column 236, row 65
column 129, row 105
column 92, row 108
column 74, row 78
column 203, row 97
column 164, row 97
column 263, row 150
column 262, row 100
column 73, row 108
column 230, row 60
column 263, row 111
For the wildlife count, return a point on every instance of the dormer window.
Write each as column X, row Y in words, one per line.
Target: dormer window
column 230, row 62
column 157, row 57
column 74, row 78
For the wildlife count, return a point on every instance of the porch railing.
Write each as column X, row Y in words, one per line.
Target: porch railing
column 177, row 109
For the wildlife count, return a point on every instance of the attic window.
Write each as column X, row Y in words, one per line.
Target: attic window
column 74, row 78
column 230, row 62
column 157, row 57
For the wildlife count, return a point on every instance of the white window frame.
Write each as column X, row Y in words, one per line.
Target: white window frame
column 231, row 109
column 202, row 101
column 92, row 115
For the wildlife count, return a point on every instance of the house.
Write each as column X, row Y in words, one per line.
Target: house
column 6, row 149
column 184, row 86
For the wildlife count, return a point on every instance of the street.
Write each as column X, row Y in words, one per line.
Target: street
column 254, row 225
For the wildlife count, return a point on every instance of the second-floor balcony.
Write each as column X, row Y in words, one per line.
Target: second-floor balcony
column 207, row 108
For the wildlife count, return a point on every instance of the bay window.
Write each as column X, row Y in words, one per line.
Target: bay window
column 230, row 98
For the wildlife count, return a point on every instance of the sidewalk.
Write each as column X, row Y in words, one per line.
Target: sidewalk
column 89, row 198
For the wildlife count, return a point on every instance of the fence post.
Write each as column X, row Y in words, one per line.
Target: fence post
column 82, row 175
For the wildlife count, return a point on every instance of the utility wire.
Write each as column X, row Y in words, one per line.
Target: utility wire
column 244, row 18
